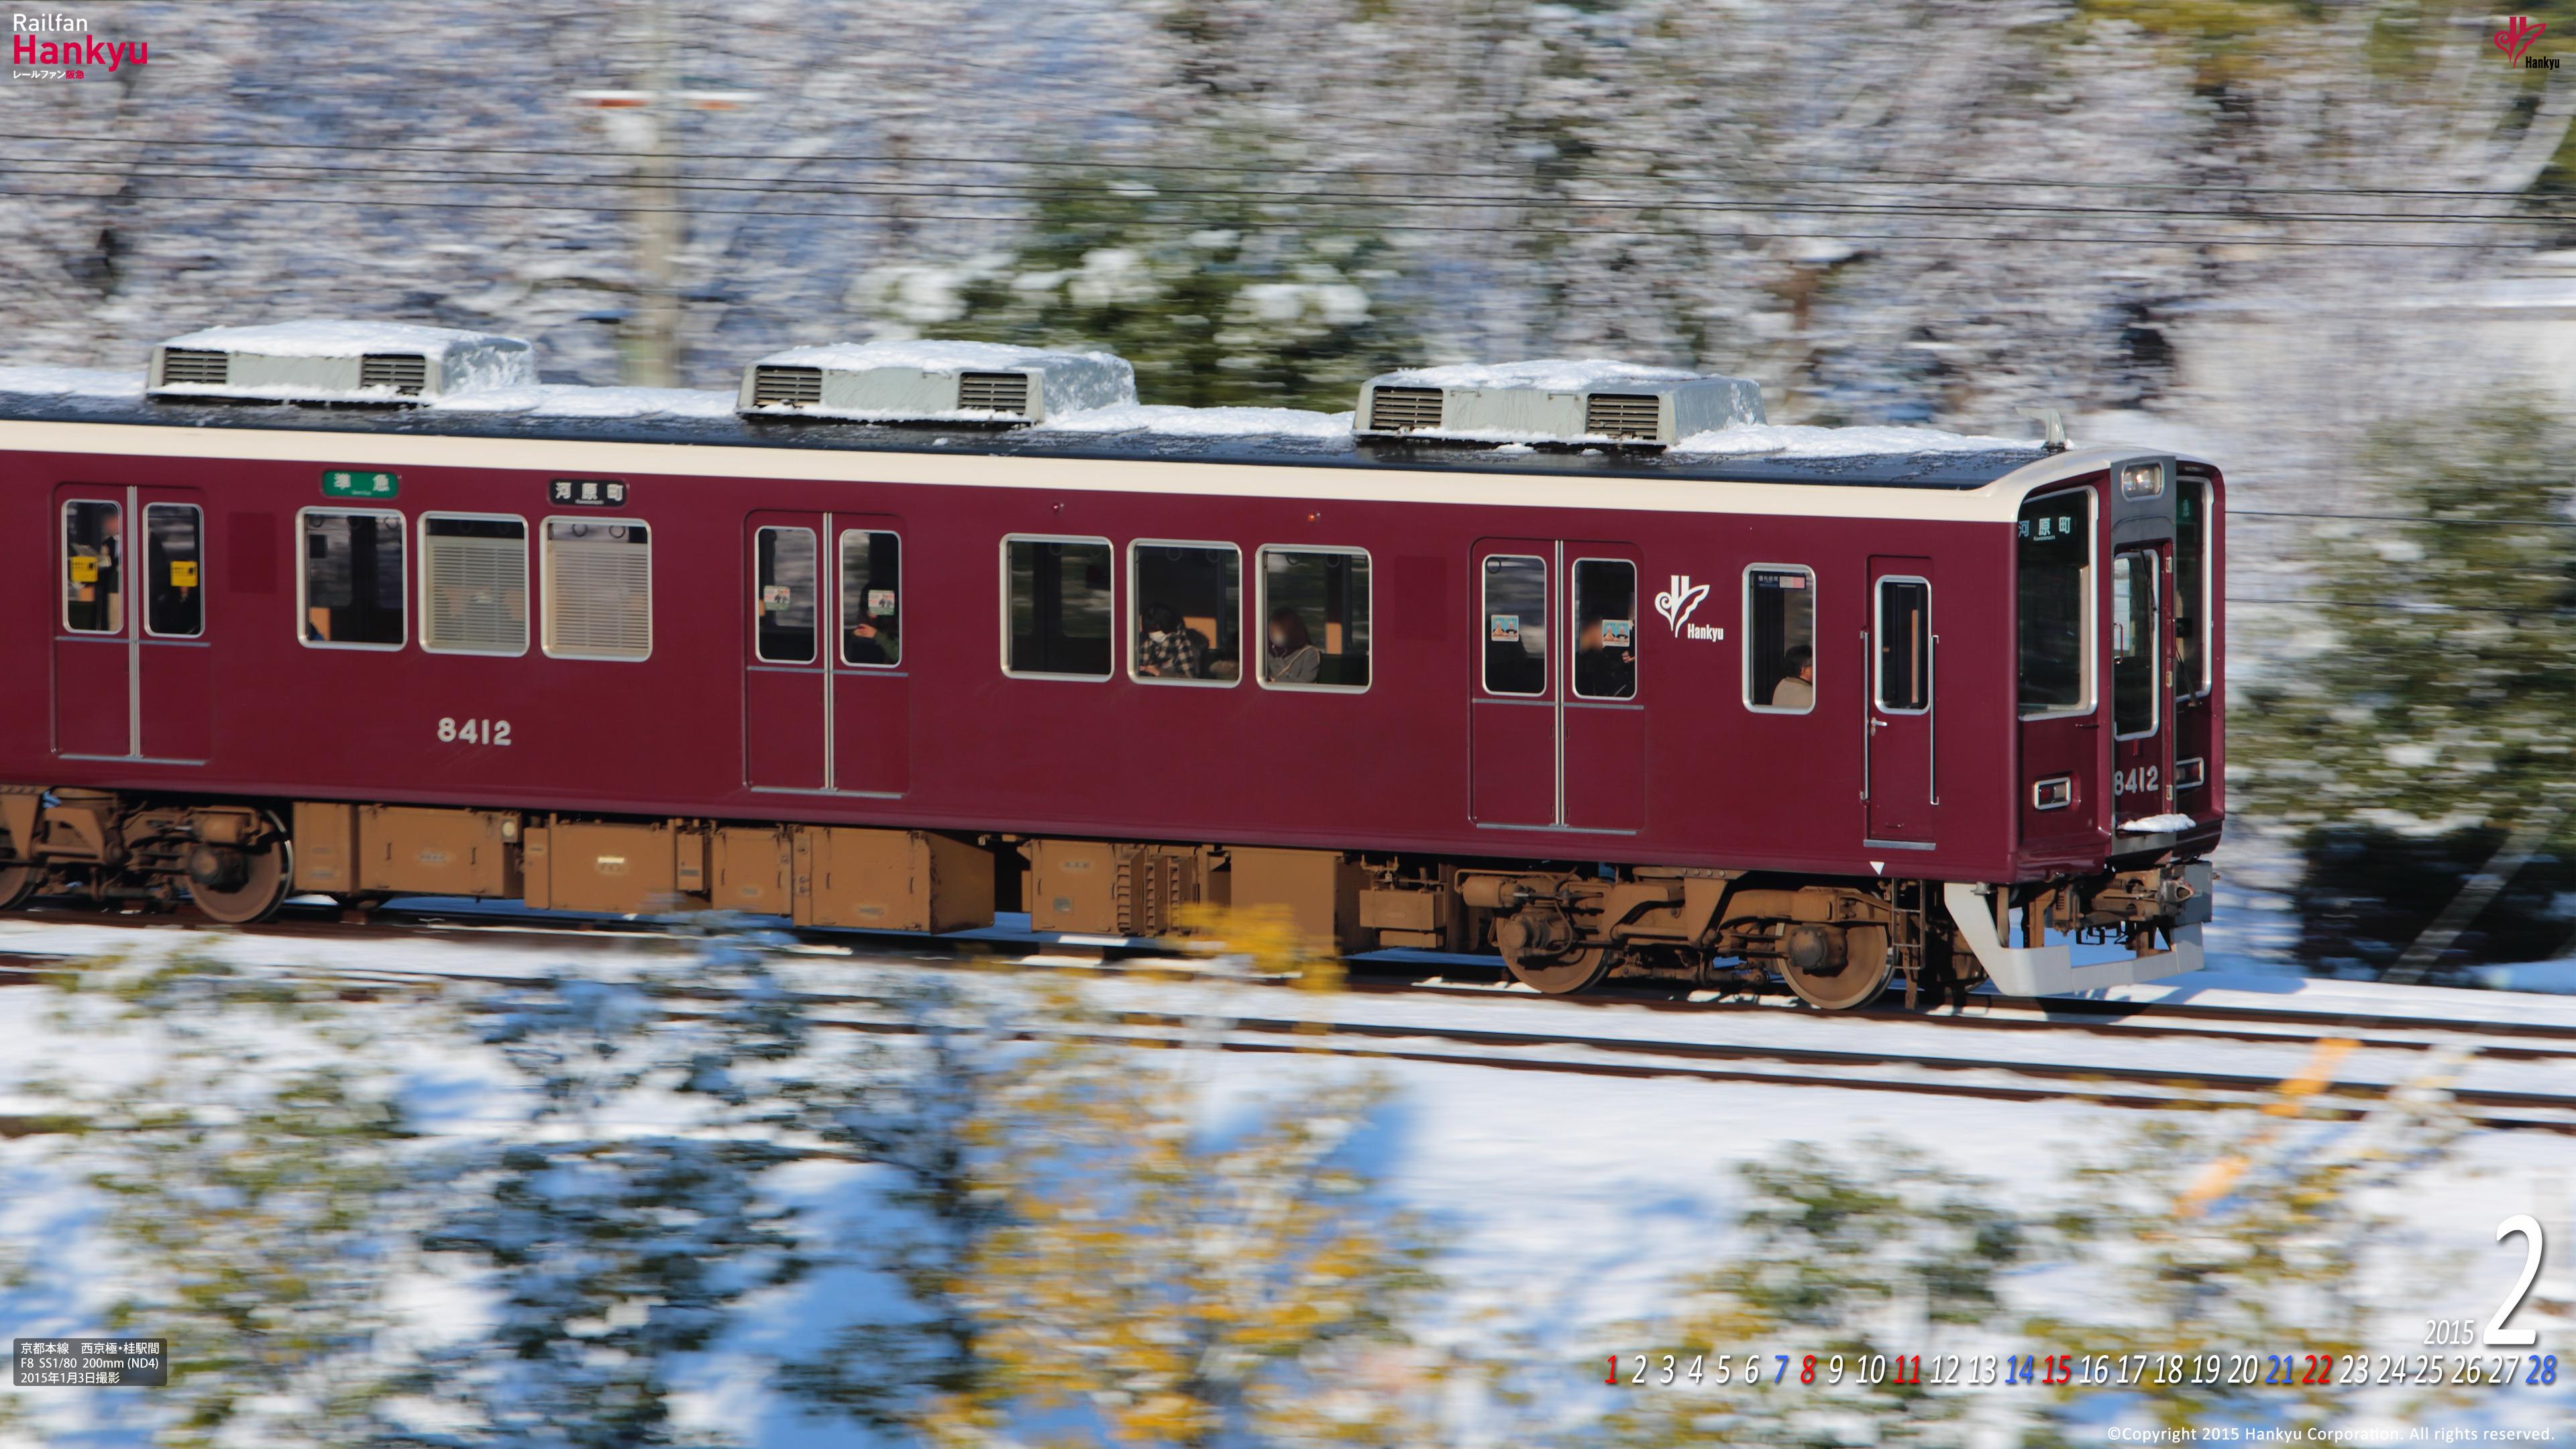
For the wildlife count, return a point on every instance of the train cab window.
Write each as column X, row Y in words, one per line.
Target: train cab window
column 599, row 589
column 1515, row 624
column 2134, row 643
column 2053, row 593
column 352, row 581
column 174, row 582
column 1780, row 639
column 1314, row 609
column 785, row 588
column 1605, row 628
column 1904, row 646
column 871, row 589
column 2191, row 589
column 473, row 584
column 1059, row 595
column 93, row 568
column 1185, row 612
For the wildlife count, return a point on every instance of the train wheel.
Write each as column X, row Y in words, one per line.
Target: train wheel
column 238, row 884
column 17, row 884
column 1836, row 969
column 1540, row 950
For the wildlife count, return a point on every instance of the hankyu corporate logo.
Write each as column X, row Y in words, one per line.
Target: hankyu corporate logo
column 1678, row 602
column 2517, row 37
column 61, row 47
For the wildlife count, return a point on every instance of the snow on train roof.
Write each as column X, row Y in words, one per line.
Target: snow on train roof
column 325, row 337
column 1552, row 374
column 1753, row 453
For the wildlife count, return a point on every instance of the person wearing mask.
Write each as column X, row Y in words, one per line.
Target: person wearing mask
column 1169, row 650
column 1601, row 672
column 1293, row 657
column 1797, row 688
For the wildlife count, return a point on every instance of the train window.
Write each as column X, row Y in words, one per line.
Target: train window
column 1515, row 624
column 2191, row 589
column 785, row 590
column 473, row 584
column 174, row 581
column 1780, row 638
column 871, row 588
column 1185, row 607
column 2134, row 643
column 1059, row 596
column 93, row 568
column 1314, row 607
column 2053, row 593
column 1605, row 628
column 352, row 581
column 1904, row 646
column 599, row 589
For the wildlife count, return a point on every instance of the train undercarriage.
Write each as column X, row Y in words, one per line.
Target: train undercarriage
column 1838, row 944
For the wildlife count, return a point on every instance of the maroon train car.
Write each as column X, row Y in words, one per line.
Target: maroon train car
column 1851, row 720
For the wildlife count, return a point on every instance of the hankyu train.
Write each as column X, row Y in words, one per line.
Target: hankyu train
column 902, row 637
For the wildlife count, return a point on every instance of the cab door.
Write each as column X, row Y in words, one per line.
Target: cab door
column 1900, row 731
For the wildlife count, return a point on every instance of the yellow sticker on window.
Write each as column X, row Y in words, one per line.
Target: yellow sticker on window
column 84, row 569
column 183, row 573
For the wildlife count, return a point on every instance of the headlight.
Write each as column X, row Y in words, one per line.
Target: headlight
column 2142, row 480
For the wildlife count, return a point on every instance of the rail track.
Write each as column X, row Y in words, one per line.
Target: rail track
column 2164, row 1055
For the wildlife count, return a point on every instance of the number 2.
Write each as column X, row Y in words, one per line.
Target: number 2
column 2499, row 1336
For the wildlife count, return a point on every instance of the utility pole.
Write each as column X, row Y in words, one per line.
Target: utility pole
column 651, row 337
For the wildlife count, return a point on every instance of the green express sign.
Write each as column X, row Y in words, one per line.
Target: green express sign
column 343, row 483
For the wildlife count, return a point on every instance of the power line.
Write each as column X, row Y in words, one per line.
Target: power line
column 2410, row 518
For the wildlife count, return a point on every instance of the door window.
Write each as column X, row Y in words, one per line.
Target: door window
column 1515, row 624
column 1605, row 628
column 871, row 595
column 93, row 568
column 1904, row 649
column 1780, row 638
column 783, row 591
column 2134, row 644
column 174, row 598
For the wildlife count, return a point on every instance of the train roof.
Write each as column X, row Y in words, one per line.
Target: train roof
column 1909, row 458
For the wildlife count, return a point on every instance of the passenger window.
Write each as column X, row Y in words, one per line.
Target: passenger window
column 871, row 590
column 783, row 595
column 1904, row 631
column 174, row 583
column 2053, row 594
column 1186, row 607
column 1515, row 619
column 599, row 589
column 1314, row 611
column 1780, row 638
column 1605, row 628
column 93, row 568
column 474, row 585
column 2191, row 589
column 2133, row 644
column 353, row 579
column 1059, row 592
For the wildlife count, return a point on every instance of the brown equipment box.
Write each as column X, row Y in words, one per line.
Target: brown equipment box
column 400, row 849
column 1320, row 889
column 890, row 880
column 621, row 869
column 1105, row 888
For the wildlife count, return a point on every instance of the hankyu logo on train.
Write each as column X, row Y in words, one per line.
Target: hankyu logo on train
column 2517, row 37
column 1678, row 602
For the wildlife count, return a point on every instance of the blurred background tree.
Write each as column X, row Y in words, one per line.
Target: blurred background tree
column 2430, row 717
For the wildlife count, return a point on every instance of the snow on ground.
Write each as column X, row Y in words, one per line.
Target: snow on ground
column 1564, row 1207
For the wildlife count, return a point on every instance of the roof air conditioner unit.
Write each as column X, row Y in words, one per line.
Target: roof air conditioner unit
column 933, row 382
column 337, row 362
column 1588, row 403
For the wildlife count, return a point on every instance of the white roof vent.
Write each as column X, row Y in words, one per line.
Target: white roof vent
column 1593, row 402
column 324, row 361
column 933, row 382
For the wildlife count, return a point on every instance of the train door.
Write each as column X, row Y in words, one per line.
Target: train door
column 2142, row 681
column 1900, row 738
column 825, row 702
column 1556, row 725
column 132, row 663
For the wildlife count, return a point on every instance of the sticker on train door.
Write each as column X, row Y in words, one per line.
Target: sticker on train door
column 1504, row 629
column 775, row 597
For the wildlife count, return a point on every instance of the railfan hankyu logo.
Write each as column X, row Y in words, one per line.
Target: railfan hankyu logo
column 60, row 47
column 1678, row 602
column 2517, row 37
